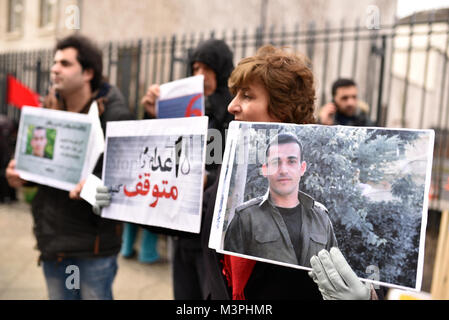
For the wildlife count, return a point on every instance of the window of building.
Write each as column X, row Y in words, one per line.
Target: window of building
column 15, row 15
column 47, row 13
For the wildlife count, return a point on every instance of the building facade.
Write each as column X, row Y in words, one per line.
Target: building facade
column 34, row 24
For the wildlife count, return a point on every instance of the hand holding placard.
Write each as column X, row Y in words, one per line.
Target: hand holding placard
column 13, row 176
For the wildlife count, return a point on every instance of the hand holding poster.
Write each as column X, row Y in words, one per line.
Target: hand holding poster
column 181, row 98
column 288, row 191
column 54, row 147
column 154, row 170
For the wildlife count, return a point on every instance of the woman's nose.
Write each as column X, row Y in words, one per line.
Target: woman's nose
column 234, row 106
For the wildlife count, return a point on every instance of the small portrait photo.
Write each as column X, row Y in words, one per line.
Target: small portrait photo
column 40, row 142
column 283, row 223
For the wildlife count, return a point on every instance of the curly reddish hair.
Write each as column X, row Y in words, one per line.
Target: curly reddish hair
column 287, row 78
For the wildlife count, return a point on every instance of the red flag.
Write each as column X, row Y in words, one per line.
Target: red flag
column 19, row 95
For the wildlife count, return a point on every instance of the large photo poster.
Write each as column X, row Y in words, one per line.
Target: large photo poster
column 288, row 191
column 154, row 170
column 53, row 147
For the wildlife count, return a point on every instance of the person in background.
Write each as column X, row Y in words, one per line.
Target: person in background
column 345, row 108
column 69, row 236
column 148, row 252
column 275, row 86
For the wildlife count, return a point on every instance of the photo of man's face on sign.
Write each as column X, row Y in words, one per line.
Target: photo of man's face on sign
column 40, row 141
column 289, row 191
column 285, row 224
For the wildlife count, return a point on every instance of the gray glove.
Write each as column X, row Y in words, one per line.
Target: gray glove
column 335, row 278
column 102, row 199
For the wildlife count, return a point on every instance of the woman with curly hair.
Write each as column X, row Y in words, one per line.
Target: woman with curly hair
column 286, row 80
column 274, row 85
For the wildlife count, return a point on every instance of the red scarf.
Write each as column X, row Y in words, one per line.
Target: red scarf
column 237, row 271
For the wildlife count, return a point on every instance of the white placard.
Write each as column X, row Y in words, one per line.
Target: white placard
column 181, row 98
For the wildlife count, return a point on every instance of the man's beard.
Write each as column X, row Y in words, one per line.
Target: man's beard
column 344, row 112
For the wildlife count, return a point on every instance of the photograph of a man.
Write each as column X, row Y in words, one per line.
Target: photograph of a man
column 38, row 142
column 285, row 224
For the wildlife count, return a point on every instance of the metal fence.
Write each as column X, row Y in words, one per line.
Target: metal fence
column 400, row 69
column 133, row 65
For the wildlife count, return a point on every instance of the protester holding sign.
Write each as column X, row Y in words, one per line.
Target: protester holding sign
column 273, row 226
column 214, row 60
column 287, row 191
column 154, row 172
column 272, row 86
column 8, row 131
column 70, row 238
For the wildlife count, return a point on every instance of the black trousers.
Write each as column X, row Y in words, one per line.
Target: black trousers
column 188, row 269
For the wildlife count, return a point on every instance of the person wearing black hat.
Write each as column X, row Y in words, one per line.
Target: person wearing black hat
column 214, row 60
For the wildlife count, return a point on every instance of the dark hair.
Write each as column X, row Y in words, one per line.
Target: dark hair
column 340, row 83
column 39, row 128
column 89, row 56
column 288, row 79
column 284, row 138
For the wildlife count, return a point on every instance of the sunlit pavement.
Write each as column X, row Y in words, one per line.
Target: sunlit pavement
column 22, row 279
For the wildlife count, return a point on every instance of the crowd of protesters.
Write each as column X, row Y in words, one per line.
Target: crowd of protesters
column 273, row 85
